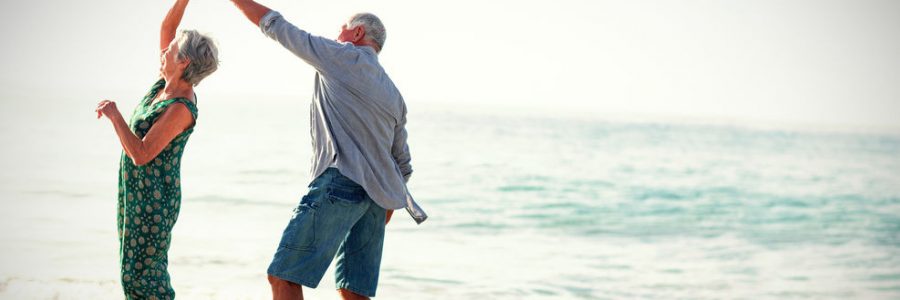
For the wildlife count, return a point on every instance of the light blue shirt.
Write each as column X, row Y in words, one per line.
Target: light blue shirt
column 357, row 115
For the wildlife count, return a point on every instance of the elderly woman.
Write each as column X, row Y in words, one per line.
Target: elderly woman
column 153, row 142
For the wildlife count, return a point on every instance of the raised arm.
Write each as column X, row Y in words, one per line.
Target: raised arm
column 170, row 24
column 315, row 50
column 252, row 10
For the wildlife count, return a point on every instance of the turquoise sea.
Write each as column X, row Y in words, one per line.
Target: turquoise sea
column 521, row 205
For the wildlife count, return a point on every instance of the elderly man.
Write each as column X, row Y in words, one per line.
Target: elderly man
column 360, row 163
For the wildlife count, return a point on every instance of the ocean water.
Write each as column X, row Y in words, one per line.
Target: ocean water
column 521, row 205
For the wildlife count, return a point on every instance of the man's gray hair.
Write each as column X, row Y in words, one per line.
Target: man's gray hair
column 201, row 51
column 374, row 28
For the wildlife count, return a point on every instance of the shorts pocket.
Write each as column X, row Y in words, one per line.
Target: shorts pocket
column 300, row 233
column 346, row 197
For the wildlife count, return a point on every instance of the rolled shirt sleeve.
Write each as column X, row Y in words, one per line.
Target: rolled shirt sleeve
column 314, row 50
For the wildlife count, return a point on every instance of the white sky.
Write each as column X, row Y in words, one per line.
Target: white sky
column 819, row 61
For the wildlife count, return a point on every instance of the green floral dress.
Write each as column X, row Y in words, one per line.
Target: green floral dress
column 149, row 201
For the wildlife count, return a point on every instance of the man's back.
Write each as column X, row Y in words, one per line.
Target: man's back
column 357, row 115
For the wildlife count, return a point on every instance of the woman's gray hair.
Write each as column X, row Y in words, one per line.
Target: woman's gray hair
column 201, row 51
column 374, row 28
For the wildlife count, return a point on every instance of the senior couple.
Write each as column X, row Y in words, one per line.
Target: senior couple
column 360, row 166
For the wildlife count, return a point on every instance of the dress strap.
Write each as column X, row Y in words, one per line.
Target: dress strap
column 157, row 86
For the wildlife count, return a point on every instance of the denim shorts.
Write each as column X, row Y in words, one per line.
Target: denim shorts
column 336, row 217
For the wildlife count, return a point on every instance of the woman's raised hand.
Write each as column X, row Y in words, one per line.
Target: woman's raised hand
column 107, row 108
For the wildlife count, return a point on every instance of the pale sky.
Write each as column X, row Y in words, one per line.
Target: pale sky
column 818, row 61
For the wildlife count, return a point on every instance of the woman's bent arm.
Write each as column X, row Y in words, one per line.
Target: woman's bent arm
column 170, row 124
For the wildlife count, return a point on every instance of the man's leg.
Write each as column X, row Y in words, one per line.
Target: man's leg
column 348, row 295
column 285, row 290
column 359, row 257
